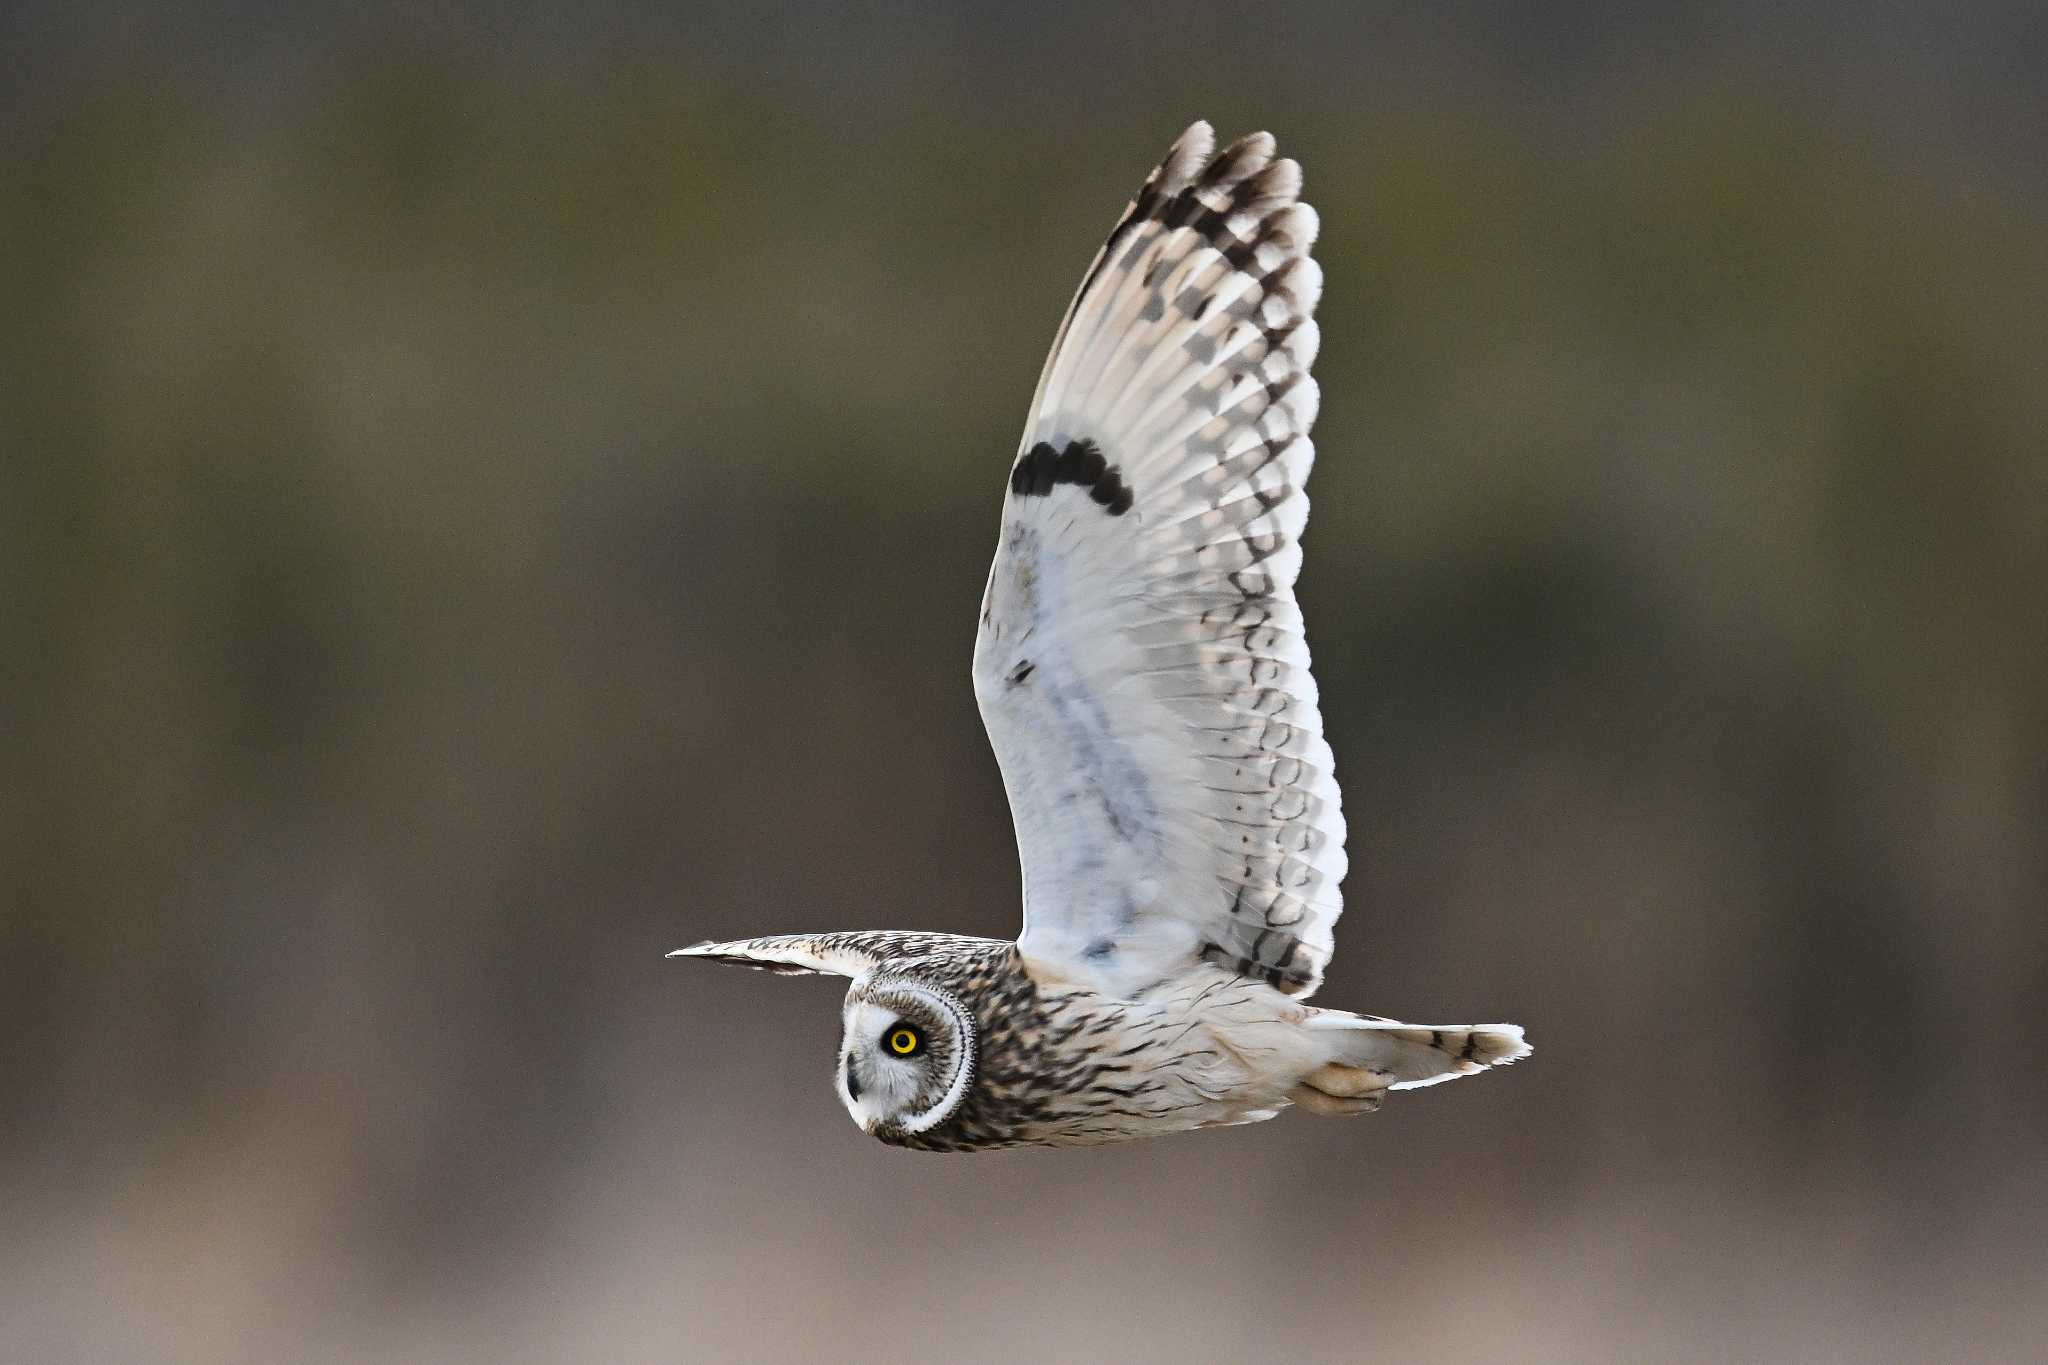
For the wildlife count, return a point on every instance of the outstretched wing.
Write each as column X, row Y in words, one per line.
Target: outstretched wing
column 842, row 954
column 1141, row 666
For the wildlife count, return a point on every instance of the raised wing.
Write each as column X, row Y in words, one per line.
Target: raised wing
column 1141, row 666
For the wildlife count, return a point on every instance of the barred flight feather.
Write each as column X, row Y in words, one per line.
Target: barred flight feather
column 1141, row 664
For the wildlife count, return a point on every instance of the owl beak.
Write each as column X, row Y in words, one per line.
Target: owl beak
column 851, row 1080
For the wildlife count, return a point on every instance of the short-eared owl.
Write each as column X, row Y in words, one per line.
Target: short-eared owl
column 1143, row 675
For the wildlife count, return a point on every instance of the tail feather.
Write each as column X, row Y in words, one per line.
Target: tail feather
column 1409, row 1056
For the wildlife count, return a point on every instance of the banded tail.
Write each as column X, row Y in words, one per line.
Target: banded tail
column 1369, row 1057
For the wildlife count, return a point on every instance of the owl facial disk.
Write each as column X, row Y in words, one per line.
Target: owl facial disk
column 906, row 1055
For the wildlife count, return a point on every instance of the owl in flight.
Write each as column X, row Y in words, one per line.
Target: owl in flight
column 1142, row 671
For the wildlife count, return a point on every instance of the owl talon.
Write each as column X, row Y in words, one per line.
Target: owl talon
column 1346, row 1082
column 1320, row 1102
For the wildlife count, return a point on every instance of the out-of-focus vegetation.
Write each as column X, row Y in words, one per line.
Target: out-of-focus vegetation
column 475, row 514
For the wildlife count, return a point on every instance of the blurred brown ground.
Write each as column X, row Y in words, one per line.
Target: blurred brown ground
column 484, row 501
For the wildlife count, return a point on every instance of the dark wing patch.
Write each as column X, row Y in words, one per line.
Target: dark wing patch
column 1041, row 469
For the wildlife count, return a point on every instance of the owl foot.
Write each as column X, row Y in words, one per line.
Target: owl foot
column 1346, row 1082
column 1322, row 1102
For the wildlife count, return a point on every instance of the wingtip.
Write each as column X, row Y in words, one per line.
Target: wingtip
column 694, row 950
column 1189, row 153
column 1261, row 142
column 1517, row 1045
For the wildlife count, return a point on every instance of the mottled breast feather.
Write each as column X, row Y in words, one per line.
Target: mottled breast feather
column 1141, row 665
column 1061, row 1066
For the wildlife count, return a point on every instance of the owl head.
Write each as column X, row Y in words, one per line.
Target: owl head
column 906, row 1055
column 907, row 1044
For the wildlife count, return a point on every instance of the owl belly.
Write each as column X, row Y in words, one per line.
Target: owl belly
column 1204, row 1051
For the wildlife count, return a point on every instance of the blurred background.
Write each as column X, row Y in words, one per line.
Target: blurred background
column 488, row 498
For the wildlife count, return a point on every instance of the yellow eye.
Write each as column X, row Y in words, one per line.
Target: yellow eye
column 904, row 1041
